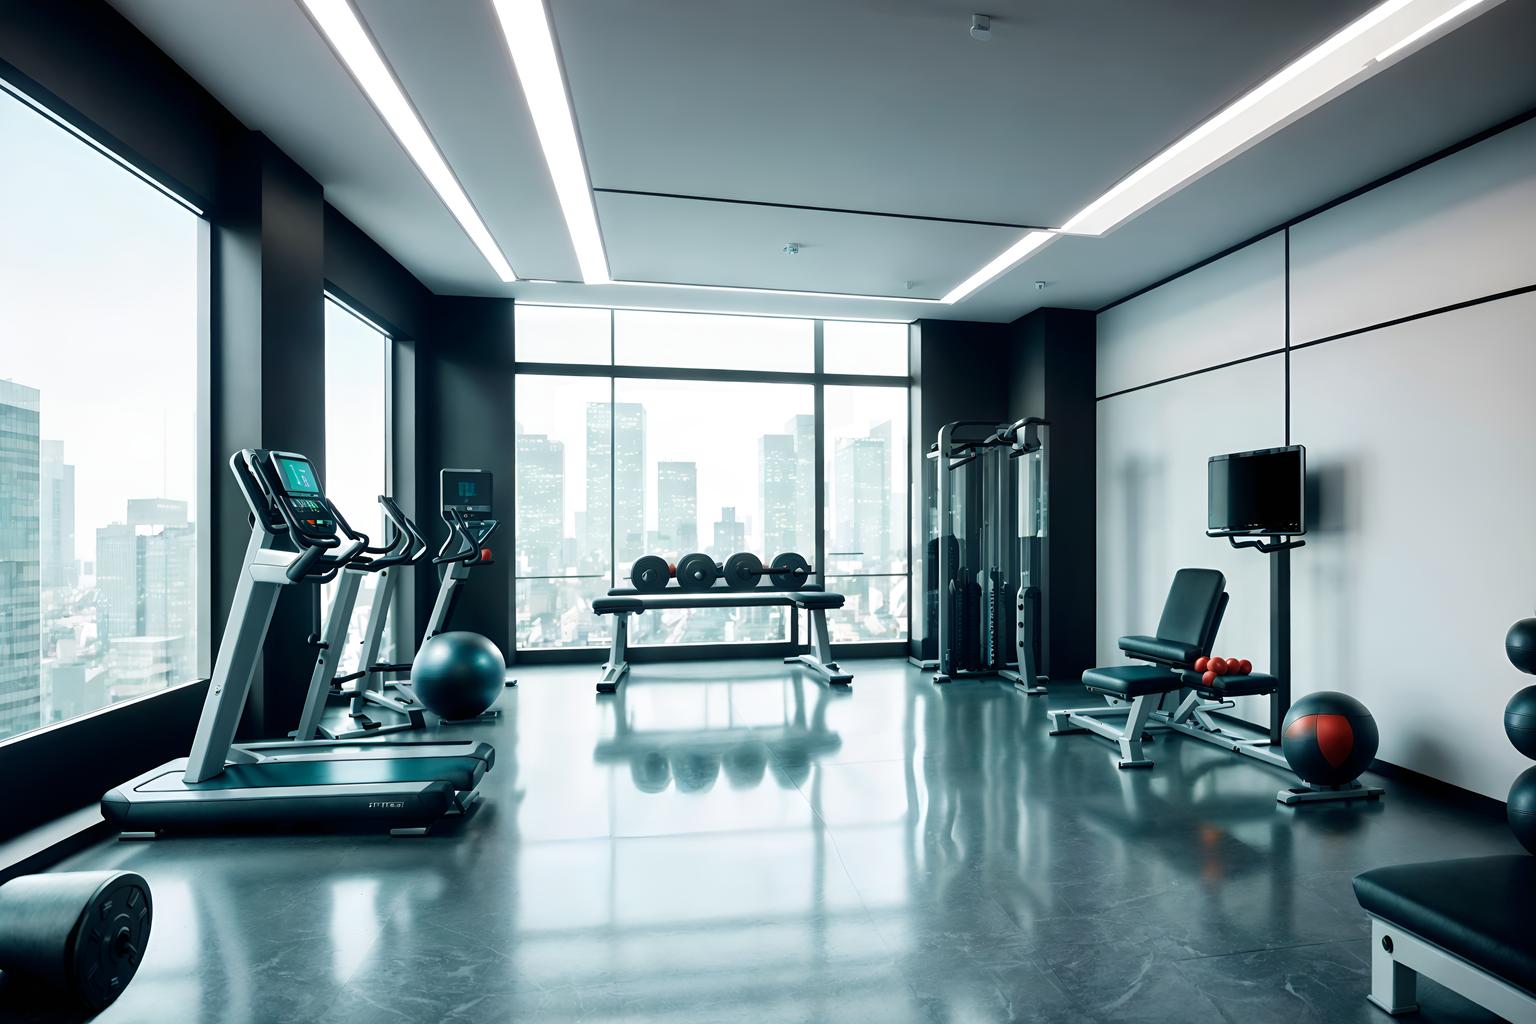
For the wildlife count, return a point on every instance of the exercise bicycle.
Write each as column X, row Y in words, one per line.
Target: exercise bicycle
column 465, row 506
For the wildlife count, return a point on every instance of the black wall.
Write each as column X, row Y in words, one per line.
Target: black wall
column 1053, row 376
column 464, row 418
column 273, row 246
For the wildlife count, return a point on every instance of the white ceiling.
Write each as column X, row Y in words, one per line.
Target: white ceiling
column 854, row 108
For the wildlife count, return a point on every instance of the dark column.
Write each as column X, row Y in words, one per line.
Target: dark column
column 960, row 371
column 267, row 381
column 464, row 418
column 1053, row 377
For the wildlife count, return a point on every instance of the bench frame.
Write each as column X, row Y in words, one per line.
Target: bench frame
column 1398, row 957
column 818, row 659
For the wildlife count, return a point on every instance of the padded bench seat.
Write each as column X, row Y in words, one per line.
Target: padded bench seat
column 624, row 602
column 1130, row 681
column 1226, row 687
column 724, row 599
column 1477, row 909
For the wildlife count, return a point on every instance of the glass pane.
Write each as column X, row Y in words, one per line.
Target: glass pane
column 560, row 334
column 849, row 347
column 711, row 341
column 866, row 473
column 690, row 477
column 99, row 432
column 557, row 612
column 876, row 608
column 564, row 492
column 357, row 431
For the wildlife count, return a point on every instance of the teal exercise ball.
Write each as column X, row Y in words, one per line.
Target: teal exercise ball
column 458, row 675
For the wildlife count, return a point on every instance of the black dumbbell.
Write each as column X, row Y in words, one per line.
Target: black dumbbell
column 697, row 571
column 650, row 574
column 789, row 571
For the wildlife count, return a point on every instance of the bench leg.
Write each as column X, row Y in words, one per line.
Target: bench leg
column 819, row 660
column 1393, row 985
column 1128, row 739
column 617, row 666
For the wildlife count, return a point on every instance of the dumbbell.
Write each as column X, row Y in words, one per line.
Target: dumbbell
column 788, row 571
column 650, row 574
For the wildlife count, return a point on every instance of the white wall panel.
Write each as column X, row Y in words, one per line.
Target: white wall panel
column 1229, row 309
column 1152, row 451
column 1458, row 229
column 1422, row 447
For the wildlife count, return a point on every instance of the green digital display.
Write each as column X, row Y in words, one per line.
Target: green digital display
column 298, row 476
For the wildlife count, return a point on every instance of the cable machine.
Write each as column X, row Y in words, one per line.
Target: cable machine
column 985, row 602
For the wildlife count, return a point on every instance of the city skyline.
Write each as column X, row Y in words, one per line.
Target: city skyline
column 563, row 556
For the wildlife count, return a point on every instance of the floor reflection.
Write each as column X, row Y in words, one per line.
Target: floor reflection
column 742, row 842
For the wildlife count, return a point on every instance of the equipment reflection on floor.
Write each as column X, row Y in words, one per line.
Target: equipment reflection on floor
column 736, row 842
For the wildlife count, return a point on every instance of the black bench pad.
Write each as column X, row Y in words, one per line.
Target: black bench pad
column 1479, row 908
column 725, row 599
column 1131, row 680
column 1253, row 684
column 1174, row 652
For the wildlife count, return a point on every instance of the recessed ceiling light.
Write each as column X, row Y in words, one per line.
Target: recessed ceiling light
column 339, row 23
column 531, row 40
column 1004, row 261
column 776, row 291
column 1339, row 62
column 1444, row 19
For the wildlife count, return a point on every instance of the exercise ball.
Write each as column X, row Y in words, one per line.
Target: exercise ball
column 458, row 675
column 1329, row 738
column 1520, row 645
column 1521, row 809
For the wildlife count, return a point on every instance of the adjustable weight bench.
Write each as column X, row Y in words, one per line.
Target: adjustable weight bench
column 1187, row 630
column 623, row 602
column 1465, row 924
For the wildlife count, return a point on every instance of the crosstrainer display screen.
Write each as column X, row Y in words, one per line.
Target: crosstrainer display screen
column 298, row 476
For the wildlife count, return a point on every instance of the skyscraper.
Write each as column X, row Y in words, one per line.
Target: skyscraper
column 861, row 493
column 615, row 481
column 20, row 591
column 146, row 587
column 540, row 504
column 778, row 471
column 730, row 535
column 56, row 528
column 677, row 506
column 803, row 429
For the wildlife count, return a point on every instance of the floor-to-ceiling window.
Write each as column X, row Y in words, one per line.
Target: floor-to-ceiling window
column 644, row 432
column 101, row 532
column 357, row 432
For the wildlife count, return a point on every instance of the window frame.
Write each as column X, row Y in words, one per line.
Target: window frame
column 819, row 380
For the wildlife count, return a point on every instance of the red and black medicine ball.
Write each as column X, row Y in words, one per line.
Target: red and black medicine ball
column 1329, row 738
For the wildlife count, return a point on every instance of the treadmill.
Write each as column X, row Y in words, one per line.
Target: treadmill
column 297, row 537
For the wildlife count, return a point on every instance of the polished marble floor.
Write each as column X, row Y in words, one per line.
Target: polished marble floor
column 732, row 841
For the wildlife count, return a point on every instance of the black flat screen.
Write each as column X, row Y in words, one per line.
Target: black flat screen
column 1259, row 492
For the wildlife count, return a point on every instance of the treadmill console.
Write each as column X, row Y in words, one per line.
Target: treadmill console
column 298, row 487
column 466, row 499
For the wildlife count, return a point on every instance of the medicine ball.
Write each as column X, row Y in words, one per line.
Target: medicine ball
column 1329, row 738
column 1520, row 721
column 1520, row 645
column 458, row 675
column 1522, row 809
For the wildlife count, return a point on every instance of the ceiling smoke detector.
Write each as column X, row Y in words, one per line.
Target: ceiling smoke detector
column 981, row 27
column 792, row 249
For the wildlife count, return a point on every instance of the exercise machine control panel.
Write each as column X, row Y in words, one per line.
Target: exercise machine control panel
column 298, row 487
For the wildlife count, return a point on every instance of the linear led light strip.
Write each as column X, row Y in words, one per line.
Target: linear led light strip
column 341, row 26
column 531, row 41
column 1344, row 59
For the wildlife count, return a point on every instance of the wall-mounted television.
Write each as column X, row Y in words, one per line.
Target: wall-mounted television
column 1258, row 493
